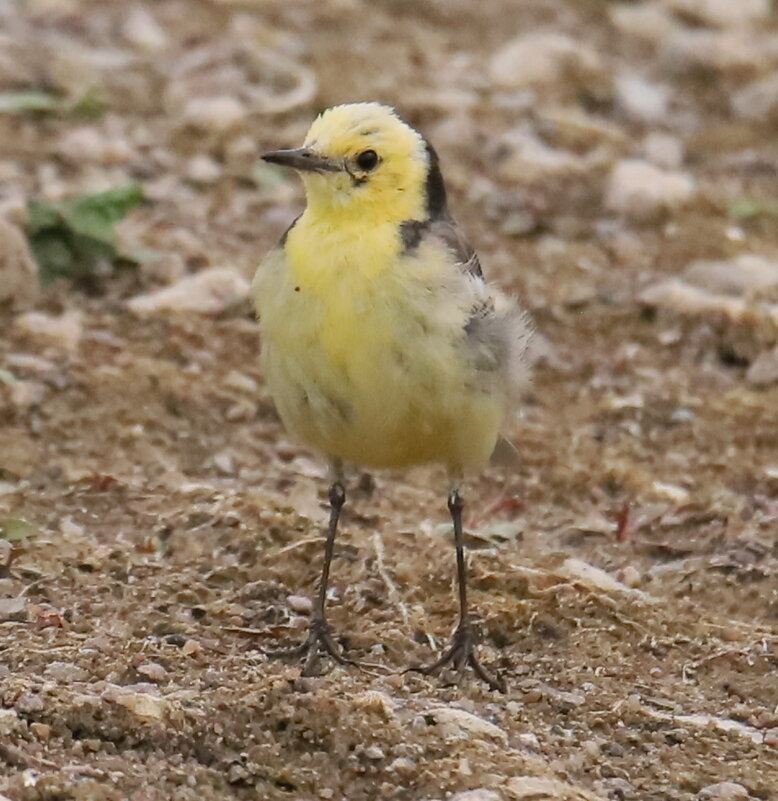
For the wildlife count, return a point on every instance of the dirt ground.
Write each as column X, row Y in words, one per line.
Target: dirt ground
column 623, row 564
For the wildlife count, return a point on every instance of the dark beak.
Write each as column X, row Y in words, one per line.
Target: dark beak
column 302, row 158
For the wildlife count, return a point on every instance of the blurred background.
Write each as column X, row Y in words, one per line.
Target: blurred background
column 614, row 163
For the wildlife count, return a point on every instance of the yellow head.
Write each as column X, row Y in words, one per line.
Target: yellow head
column 362, row 160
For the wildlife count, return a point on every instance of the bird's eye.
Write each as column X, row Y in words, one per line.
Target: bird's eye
column 367, row 160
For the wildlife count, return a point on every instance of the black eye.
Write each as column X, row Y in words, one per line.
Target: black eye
column 367, row 160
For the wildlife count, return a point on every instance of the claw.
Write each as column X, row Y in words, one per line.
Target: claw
column 460, row 654
column 319, row 641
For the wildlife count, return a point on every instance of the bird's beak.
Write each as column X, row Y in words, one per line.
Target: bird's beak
column 302, row 158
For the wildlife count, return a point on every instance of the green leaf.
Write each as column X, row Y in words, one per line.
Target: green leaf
column 41, row 215
column 91, row 105
column 14, row 528
column 96, row 215
column 745, row 208
column 70, row 238
column 28, row 100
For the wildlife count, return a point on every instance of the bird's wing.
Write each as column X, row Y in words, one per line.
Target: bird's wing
column 445, row 230
column 451, row 235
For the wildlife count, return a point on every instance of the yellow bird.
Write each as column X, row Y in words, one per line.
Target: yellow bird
column 382, row 343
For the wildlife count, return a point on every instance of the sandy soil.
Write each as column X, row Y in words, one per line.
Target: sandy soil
column 623, row 566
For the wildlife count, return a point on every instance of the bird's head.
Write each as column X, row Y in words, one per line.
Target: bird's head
column 362, row 159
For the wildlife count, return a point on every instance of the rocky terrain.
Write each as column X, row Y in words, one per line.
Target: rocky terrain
column 615, row 165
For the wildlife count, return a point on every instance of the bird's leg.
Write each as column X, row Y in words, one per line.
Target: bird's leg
column 462, row 651
column 319, row 635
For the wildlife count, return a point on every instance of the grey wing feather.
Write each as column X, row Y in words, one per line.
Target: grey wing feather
column 446, row 231
column 451, row 235
column 497, row 330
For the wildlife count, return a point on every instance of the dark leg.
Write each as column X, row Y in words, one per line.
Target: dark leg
column 319, row 636
column 461, row 652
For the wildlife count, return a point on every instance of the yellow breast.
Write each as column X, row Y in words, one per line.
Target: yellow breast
column 363, row 349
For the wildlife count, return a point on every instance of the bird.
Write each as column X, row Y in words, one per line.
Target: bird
column 382, row 344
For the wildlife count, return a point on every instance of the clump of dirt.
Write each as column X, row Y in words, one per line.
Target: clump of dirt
column 160, row 531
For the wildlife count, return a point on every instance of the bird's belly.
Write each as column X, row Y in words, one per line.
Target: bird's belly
column 388, row 385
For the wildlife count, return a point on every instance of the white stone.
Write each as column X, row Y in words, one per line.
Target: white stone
column 535, row 788
column 64, row 331
column 479, row 794
column 142, row 705
column 300, row 604
column 65, row 672
column 27, row 393
column 682, row 298
column 724, row 791
column 202, row 169
column 663, row 150
column 531, row 160
column 457, row 723
column 153, row 671
column 746, row 274
column 763, row 371
column 210, row 292
column 581, row 571
column 640, row 99
column 10, row 722
column 733, row 53
column 642, row 192
column 649, row 22
column 529, row 740
column 629, row 576
column 215, row 114
column 670, row 492
column 142, row 30
column 402, row 765
column 758, row 100
column 543, row 58
column 13, row 609
column 70, row 530
column 89, row 144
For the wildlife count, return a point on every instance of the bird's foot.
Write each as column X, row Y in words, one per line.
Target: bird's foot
column 319, row 640
column 460, row 654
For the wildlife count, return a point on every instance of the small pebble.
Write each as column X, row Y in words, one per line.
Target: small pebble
column 215, row 114
column 153, row 671
column 13, row 609
column 41, row 730
column 763, row 371
column 209, row 292
column 724, row 791
column 300, row 604
column 591, row 748
column 402, row 765
column 629, row 576
column 529, row 740
column 642, row 192
column 65, row 672
column 29, row 703
column 202, row 169
column 479, row 794
column 642, row 100
column 63, row 331
column 374, row 752
column 6, row 555
column 191, row 647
